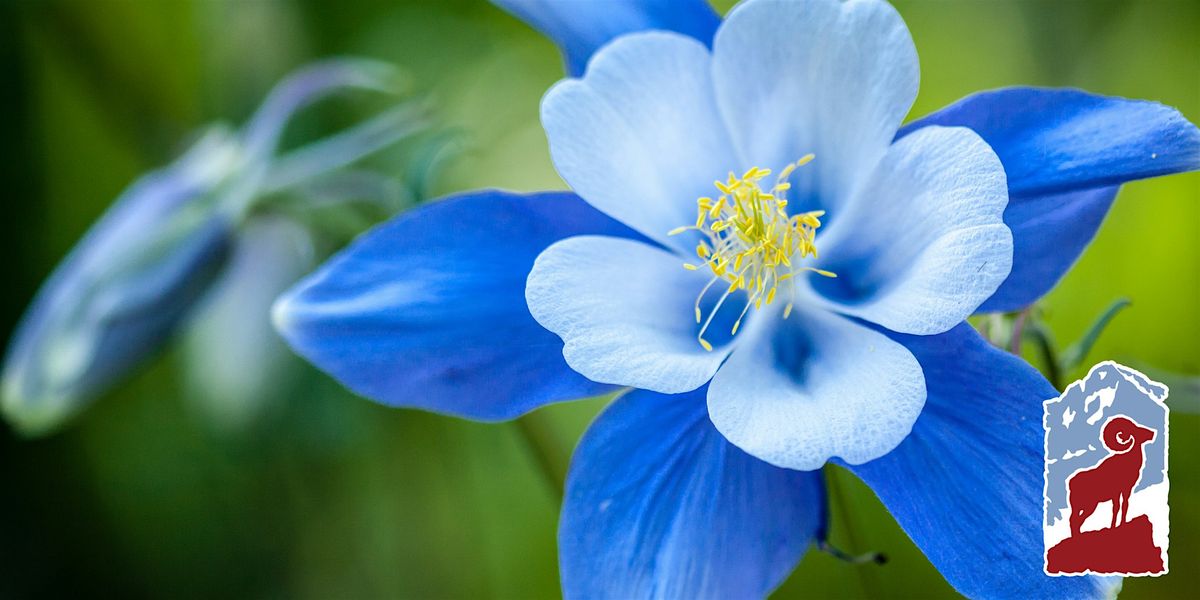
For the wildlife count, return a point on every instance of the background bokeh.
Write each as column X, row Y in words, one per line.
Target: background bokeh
column 316, row 493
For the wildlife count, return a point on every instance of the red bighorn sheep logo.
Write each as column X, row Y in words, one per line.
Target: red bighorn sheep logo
column 1114, row 477
column 1105, row 448
column 1124, row 547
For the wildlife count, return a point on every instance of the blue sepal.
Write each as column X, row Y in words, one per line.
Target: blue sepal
column 1065, row 152
column 966, row 485
column 428, row 310
column 581, row 27
column 659, row 505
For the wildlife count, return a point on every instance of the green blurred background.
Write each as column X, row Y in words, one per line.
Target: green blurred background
column 320, row 494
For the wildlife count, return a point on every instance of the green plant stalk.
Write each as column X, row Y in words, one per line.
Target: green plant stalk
column 543, row 449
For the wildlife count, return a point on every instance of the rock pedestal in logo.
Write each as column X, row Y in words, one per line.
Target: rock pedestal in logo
column 1126, row 549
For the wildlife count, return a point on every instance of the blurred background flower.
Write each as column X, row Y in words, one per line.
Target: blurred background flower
column 137, row 274
column 325, row 494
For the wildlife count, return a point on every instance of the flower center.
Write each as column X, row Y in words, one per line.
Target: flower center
column 751, row 243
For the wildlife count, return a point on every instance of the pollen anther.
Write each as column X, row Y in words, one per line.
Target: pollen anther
column 752, row 244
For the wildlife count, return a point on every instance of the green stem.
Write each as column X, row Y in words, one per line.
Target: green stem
column 865, row 568
column 1075, row 354
column 542, row 446
column 1018, row 331
column 1049, row 356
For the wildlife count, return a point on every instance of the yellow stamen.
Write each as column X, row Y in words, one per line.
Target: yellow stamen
column 749, row 229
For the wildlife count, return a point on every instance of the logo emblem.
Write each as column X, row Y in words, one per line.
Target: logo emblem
column 1105, row 494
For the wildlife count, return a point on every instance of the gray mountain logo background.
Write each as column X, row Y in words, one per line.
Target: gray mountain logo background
column 1074, row 425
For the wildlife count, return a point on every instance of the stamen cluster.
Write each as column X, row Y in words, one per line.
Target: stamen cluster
column 751, row 242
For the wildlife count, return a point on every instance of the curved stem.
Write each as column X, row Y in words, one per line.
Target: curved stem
column 838, row 497
column 1049, row 355
column 541, row 446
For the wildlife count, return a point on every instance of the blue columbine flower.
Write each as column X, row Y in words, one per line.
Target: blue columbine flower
column 805, row 307
column 236, row 364
column 140, row 270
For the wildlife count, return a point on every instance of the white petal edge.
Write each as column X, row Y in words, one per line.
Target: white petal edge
column 639, row 136
column 816, row 386
column 624, row 310
column 924, row 242
column 831, row 78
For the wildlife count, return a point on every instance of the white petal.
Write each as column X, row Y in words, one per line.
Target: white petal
column 639, row 137
column 923, row 243
column 816, row 386
column 625, row 312
column 834, row 79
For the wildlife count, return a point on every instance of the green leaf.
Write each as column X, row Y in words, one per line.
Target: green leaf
column 1075, row 354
